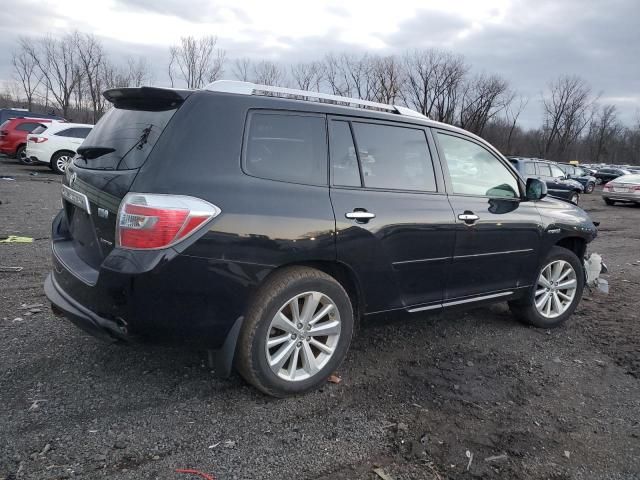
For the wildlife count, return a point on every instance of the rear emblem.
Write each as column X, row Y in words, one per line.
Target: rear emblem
column 103, row 213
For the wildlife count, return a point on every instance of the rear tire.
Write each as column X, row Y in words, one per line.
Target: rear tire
column 609, row 202
column 570, row 274
column 59, row 162
column 21, row 155
column 295, row 350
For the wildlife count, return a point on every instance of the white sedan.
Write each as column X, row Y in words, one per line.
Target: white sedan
column 56, row 143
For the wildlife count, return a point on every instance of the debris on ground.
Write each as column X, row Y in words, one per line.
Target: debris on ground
column 16, row 239
column 7, row 178
column 190, row 471
column 497, row 458
column 470, row 457
column 567, row 453
column 593, row 267
column 10, row 269
column 334, row 379
column 382, row 474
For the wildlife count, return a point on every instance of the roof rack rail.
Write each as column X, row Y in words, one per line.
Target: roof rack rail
column 248, row 88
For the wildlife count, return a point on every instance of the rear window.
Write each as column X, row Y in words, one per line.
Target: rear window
column 394, row 157
column 39, row 129
column 290, row 147
column 122, row 139
column 27, row 126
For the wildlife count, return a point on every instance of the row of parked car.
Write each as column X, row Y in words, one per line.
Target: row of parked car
column 40, row 138
column 567, row 181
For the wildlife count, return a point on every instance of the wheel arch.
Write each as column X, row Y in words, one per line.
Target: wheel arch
column 62, row 150
column 577, row 245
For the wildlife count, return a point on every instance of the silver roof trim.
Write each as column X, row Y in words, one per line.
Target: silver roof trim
column 248, row 88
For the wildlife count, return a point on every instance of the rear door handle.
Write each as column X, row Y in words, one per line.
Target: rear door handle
column 468, row 217
column 360, row 215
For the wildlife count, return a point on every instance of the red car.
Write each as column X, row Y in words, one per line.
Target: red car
column 13, row 136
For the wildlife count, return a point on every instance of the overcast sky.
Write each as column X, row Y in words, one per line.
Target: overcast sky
column 529, row 42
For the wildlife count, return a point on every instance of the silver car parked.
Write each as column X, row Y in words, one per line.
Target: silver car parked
column 622, row 189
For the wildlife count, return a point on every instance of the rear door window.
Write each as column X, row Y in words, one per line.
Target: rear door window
column 529, row 168
column 393, row 157
column 344, row 161
column 544, row 170
column 122, row 139
column 289, row 147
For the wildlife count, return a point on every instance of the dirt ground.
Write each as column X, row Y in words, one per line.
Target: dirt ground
column 455, row 396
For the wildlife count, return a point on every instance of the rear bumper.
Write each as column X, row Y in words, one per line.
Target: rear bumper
column 159, row 297
column 82, row 317
column 622, row 197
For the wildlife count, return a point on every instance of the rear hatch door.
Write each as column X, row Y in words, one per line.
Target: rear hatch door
column 107, row 163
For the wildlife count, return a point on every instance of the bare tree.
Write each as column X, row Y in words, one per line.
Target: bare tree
column 388, row 78
column 433, row 81
column 242, row 69
column 512, row 113
column 483, row 97
column 307, row 76
column 56, row 59
column 603, row 130
column 268, row 73
column 567, row 111
column 26, row 70
column 198, row 61
column 92, row 58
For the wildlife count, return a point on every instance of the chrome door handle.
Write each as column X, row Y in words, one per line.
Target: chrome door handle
column 361, row 215
column 468, row 217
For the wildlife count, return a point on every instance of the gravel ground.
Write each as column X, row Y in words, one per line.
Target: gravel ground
column 458, row 395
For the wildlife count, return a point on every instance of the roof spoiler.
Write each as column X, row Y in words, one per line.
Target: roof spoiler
column 146, row 98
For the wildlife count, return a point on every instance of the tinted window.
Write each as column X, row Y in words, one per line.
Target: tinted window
column 67, row 132
column 130, row 133
column 287, row 147
column 475, row 171
column 27, row 126
column 394, row 157
column 556, row 172
column 344, row 160
column 82, row 132
column 529, row 168
column 39, row 129
column 544, row 170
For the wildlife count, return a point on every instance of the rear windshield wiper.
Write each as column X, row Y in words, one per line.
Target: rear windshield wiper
column 94, row 152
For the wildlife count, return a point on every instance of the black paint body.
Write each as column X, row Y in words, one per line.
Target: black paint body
column 414, row 255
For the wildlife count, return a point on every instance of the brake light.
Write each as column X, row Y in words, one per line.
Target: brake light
column 38, row 139
column 149, row 221
column 607, row 186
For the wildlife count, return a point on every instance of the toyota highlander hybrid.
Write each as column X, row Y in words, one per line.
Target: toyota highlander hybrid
column 265, row 223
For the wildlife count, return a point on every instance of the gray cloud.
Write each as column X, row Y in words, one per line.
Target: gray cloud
column 531, row 46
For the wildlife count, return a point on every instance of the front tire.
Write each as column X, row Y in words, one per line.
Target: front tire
column 574, row 198
column 296, row 332
column 557, row 291
column 590, row 187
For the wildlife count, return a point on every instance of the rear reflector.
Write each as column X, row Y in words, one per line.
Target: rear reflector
column 149, row 221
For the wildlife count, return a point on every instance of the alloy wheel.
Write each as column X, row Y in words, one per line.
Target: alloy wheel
column 303, row 336
column 62, row 161
column 556, row 289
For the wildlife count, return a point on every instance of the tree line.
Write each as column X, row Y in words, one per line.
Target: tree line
column 68, row 74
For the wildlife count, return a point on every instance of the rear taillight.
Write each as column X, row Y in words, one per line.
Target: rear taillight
column 149, row 221
column 636, row 188
column 38, row 139
column 607, row 186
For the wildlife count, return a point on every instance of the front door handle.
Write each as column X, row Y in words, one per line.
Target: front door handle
column 360, row 215
column 468, row 217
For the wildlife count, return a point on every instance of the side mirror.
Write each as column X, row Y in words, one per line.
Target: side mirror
column 536, row 189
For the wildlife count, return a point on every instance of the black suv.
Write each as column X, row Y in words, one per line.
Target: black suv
column 264, row 223
column 579, row 174
column 558, row 185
